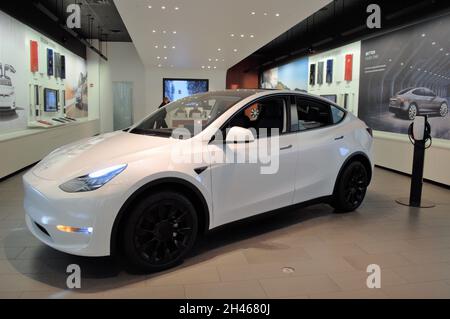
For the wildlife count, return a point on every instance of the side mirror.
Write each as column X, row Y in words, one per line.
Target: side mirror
column 239, row 135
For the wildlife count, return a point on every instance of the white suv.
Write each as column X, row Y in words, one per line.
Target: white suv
column 146, row 193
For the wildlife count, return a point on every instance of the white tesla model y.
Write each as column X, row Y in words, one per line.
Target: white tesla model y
column 147, row 192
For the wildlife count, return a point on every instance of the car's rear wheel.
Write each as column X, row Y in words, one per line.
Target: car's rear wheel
column 160, row 231
column 443, row 111
column 351, row 188
column 412, row 112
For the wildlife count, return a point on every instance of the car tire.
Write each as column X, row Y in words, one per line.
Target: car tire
column 350, row 188
column 160, row 231
column 443, row 110
column 412, row 112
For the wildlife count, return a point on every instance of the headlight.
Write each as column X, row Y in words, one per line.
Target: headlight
column 93, row 180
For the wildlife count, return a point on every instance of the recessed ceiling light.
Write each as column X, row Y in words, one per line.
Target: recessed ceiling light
column 203, row 66
column 165, row 47
column 219, row 49
column 156, row 46
column 441, row 49
column 149, row 7
column 446, row 54
column 242, row 35
column 158, row 57
column 159, row 65
column 265, row 13
column 252, row 36
column 423, row 35
column 277, row 14
column 163, row 8
column 217, row 60
column 173, row 47
column 154, row 31
column 176, row 8
column 174, row 32
column 232, row 35
column 209, row 67
column 215, row 67
column 235, row 50
column 253, row 13
column 209, row 59
column 223, row 60
column 433, row 43
column 165, row 58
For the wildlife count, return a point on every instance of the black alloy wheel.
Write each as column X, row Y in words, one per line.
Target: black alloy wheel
column 160, row 231
column 351, row 188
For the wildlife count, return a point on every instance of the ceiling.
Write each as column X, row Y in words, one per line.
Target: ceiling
column 198, row 34
column 106, row 25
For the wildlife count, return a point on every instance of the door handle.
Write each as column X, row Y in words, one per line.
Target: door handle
column 339, row 138
column 286, row 147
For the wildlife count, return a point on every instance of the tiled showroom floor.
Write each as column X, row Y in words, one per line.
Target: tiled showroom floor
column 300, row 253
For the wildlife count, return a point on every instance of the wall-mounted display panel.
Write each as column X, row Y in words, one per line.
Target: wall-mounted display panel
column 407, row 72
column 333, row 68
column 291, row 76
column 29, row 64
column 176, row 89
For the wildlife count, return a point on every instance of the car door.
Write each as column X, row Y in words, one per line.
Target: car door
column 241, row 190
column 322, row 148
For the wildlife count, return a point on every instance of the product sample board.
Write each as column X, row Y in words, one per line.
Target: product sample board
column 42, row 84
column 407, row 70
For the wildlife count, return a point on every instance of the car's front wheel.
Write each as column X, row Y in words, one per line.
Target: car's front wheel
column 350, row 188
column 443, row 111
column 160, row 231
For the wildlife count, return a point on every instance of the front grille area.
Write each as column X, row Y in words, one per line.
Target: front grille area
column 42, row 229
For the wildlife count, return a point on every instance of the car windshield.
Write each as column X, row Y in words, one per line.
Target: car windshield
column 197, row 111
column 404, row 91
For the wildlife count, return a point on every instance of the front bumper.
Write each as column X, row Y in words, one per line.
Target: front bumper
column 47, row 206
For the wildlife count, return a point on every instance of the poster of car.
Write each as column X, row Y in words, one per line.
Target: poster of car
column 406, row 73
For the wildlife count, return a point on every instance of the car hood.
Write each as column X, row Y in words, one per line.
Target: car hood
column 95, row 153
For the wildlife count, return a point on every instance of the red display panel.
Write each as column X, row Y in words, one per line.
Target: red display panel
column 348, row 67
column 34, row 60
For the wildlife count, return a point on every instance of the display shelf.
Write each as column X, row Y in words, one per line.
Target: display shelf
column 36, row 130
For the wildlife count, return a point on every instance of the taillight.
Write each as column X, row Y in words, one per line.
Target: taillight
column 370, row 131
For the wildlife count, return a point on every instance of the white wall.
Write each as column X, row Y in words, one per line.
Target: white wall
column 154, row 82
column 395, row 151
column 123, row 64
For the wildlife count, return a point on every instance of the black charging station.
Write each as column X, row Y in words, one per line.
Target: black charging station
column 420, row 136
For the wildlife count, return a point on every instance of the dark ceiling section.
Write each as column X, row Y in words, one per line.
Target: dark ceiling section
column 339, row 23
column 99, row 20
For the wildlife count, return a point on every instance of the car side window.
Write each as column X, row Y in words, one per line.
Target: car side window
column 417, row 92
column 337, row 114
column 269, row 113
column 313, row 114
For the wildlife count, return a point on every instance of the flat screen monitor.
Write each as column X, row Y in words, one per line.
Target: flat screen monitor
column 50, row 100
column 332, row 98
column 176, row 89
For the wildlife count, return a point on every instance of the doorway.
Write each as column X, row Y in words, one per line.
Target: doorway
column 123, row 105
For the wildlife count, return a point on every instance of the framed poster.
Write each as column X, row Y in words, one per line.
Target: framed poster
column 320, row 73
column 348, row 75
column 63, row 66
column 312, row 74
column 49, row 62
column 34, row 56
column 329, row 76
column 57, row 65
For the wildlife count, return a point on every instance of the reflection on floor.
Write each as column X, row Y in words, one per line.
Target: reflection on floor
column 325, row 254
